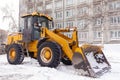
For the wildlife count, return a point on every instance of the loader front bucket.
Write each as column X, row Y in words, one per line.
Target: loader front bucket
column 92, row 63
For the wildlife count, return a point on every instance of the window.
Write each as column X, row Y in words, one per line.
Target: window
column 81, row 24
column 29, row 22
column 82, row 35
column 117, row 5
column 51, row 25
column 22, row 24
column 111, row 6
column 115, row 34
column 58, row 4
column 98, row 21
column 114, row 5
column 70, row 24
column 59, row 25
column 97, row 34
column 114, row 20
column 119, row 34
column 97, row 9
column 59, row 15
column 69, row 13
column 82, row 11
column 69, row 2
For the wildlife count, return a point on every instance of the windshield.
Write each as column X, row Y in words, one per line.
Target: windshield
column 44, row 22
column 51, row 24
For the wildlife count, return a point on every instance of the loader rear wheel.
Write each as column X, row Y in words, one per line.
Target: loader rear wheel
column 14, row 54
column 49, row 54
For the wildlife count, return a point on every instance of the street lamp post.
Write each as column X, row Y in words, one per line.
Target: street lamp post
column 103, row 21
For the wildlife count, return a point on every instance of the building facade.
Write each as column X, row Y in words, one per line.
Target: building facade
column 97, row 21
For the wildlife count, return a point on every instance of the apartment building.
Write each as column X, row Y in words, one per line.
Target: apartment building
column 97, row 21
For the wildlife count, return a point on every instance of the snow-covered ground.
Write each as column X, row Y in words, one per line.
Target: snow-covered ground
column 30, row 69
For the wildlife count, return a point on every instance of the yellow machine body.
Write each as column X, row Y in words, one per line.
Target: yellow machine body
column 61, row 39
column 69, row 46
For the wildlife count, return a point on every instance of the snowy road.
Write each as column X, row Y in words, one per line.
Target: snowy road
column 30, row 69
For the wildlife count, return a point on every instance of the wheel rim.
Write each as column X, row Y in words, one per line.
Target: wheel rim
column 12, row 54
column 46, row 54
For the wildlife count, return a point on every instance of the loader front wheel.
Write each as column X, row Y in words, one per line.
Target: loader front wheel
column 14, row 54
column 49, row 54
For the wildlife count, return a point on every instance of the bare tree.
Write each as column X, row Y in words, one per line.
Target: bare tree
column 8, row 15
column 10, row 19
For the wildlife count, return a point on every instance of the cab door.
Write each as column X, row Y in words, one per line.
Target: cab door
column 27, row 31
column 35, row 28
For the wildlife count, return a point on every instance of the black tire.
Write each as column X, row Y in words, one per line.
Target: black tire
column 66, row 61
column 19, row 56
column 55, row 51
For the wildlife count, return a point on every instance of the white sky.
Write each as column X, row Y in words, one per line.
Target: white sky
column 14, row 5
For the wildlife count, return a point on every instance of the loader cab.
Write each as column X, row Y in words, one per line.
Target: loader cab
column 33, row 24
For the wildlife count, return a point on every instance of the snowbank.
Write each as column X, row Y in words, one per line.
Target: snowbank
column 30, row 69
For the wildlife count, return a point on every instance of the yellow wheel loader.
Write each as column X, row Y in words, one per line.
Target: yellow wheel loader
column 38, row 39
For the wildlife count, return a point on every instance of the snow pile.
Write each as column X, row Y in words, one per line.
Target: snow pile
column 31, row 70
column 112, row 50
